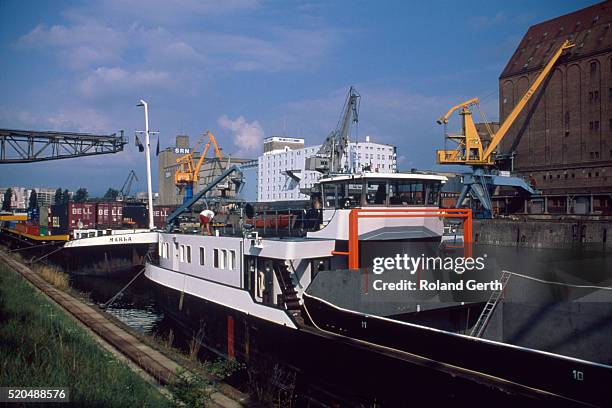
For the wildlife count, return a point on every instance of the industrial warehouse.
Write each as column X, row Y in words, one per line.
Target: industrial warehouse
column 293, row 219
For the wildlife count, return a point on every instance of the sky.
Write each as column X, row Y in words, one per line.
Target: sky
column 246, row 70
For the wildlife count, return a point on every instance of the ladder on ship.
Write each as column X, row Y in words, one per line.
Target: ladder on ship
column 485, row 315
column 289, row 294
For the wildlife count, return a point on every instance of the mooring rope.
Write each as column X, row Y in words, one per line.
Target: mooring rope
column 46, row 255
column 107, row 304
column 33, row 246
column 560, row 283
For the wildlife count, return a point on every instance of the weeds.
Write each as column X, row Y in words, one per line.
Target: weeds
column 54, row 276
column 189, row 389
column 196, row 343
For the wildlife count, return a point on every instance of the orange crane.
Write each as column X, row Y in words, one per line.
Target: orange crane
column 187, row 171
column 472, row 151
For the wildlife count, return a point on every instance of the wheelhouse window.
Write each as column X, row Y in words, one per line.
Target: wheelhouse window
column 433, row 193
column 414, row 192
column 329, row 195
column 353, row 194
column 405, row 192
column 376, row 192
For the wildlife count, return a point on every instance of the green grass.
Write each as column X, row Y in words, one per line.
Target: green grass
column 42, row 347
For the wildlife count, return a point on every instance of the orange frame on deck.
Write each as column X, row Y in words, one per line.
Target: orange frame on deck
column 353, row 245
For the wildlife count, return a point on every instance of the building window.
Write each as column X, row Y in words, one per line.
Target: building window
column 202, row 256
column 596, row 125
column 596, row 95
column 593, row 67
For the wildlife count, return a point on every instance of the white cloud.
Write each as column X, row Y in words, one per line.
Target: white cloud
column 114, row 81
column 79, row 120
column 278, row 50
column 248, row 137
column 79, row 45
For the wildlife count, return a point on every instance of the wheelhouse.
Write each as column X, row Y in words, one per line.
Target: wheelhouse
column 381, row 190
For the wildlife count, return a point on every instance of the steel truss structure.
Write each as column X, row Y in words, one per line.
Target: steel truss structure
column 27, row 146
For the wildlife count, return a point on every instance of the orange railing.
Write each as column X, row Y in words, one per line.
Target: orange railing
column 356, row 214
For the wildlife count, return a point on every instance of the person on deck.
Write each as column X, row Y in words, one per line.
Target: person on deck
column 206, row 217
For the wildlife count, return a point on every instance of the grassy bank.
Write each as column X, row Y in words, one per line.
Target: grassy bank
column 42, row 347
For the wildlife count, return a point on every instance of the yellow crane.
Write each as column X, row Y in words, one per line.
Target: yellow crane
column 187, row 171
column 470, row 148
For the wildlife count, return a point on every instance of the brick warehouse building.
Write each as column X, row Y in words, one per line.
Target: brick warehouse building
column 562, row 141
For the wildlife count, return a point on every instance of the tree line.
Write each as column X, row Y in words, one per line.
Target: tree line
column 60, row 197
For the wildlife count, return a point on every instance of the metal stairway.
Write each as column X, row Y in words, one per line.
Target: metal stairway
column 289, row 294
column 485, row 315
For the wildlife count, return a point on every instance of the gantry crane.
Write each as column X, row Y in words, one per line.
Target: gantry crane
column 187, row 171
column 471, row 150
column 124, row 193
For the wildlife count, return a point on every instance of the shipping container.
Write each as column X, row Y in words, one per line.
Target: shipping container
column 81, row 216
column 27, row 228
column 135, row 216
column 43, row 215
column 160, row 213
column 58, row 219
column 109, row 214
column 71, row 216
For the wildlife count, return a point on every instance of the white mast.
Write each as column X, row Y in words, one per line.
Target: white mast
column 148, row 156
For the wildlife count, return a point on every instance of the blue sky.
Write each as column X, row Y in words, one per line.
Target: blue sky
column 248, row 69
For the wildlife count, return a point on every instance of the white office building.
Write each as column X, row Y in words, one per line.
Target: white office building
column 281, row 169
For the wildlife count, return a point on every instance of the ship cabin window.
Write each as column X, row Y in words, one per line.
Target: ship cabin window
column 223, row 259
column 182, row 253
column 231, row 261
column 219, row 258
column 188, row 253
column 202, row 256
column 164, row 250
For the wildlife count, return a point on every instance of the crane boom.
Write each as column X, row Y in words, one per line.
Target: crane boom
column 331, row 153
column 466, row 104
column 198, row 166
column 503, row 129
column 470, row 148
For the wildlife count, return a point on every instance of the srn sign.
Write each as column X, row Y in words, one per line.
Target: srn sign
column 182, row 150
